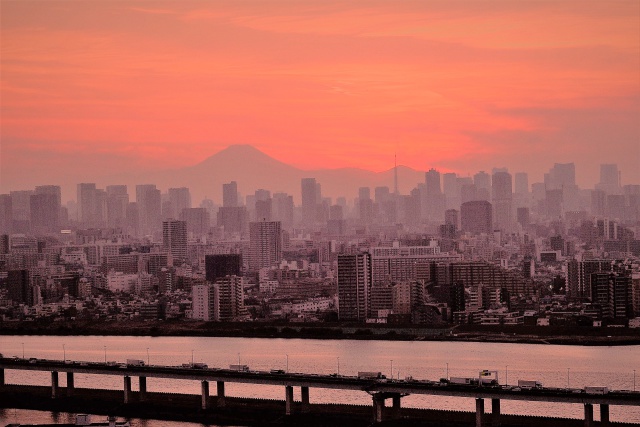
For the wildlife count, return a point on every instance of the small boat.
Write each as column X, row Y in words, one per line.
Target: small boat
column 82, row 420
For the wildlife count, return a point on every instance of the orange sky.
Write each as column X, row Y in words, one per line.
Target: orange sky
column 100, row 86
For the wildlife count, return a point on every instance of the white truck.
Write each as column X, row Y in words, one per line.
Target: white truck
column 465, row 381
column 135, row 362
column 529, row 384
column 596, row 390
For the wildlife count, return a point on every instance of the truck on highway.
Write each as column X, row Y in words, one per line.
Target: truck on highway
column 464, row 381
column 366, row 375
column 596, row 390
column 135, row 362
column 242, row 368
column 529, row 384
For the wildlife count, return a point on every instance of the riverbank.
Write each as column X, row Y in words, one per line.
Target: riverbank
column 473, row 333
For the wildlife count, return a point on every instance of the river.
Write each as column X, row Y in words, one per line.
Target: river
column 553, row 365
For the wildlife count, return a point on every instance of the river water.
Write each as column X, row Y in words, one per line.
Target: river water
column 553, row 365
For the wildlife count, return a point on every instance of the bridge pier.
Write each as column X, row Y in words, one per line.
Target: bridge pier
column 220, row 392
column 70, row 384
column 395, row 413
column 143, row 388
column 304, row 397
column 495, row 412
column 378, row 407
column 604, row 414
column 288, row 394
column 127, row 389
column 54, row 384
column 479, row 411
column 1, row 377
column 205, row 394
column 588, row 415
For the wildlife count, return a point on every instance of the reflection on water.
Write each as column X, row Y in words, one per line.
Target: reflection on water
column 554, row 366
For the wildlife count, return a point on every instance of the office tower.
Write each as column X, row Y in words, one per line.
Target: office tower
column 522, row 216
column 45, row 212
column 309, row 200
column 233, row 219
column 222, row 265
column 609, row 179
column 56, row 192
column 179, row 199
column 561, row 175
column 21, row 211
column 411, row 207
column 451, row 190
column 598, row 202
column 434, row 199
column 468, row 193
column 521, row 183
column 133, row 218
column 86, row 197
column 117, row 203
column 476, row 217
column 482, row 180
column 264, row 209
column 174, row 238
column 230, row 195
column 364, row 193
column 554, row 204
column 354, row 286
column 336, row 212
column 18, row 287
column 501, row 187
column 4, row 244
column 198, row 220
column 282, row 209
column 265, row 244
column 366, row 212
column 6, row 214
column 149, row 208
column 451, row 217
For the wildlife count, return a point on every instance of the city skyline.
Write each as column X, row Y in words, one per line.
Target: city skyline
column 100, row 89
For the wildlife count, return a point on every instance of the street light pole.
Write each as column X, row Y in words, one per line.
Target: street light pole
column 238, row 358
column 339, row 368
column 192, row 358
column 506, row 375
column 23, row 350
column 634, row 380
column 447, row 370
column 148, row 356
column 64, row 353
column 287, row 363
column 391, row 368
column 105, row 353
column 568, row 369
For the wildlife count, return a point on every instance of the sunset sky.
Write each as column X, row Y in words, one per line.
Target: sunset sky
column 96, row 87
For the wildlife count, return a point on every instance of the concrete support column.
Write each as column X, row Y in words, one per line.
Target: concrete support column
column 221, row 400
column 1, row 376
column 479, row 412
column 205, row 394
column 143, row 388
column 127, row 389
column 70, row 384
column 304, row 397
column 54, row 384
column 604, row 414
column 495, row 412
column 588, row 415
column 396, row 407
column 378, row 408
column 288, row 394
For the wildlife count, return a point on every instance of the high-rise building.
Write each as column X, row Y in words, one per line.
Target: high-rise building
column 228, row 298
column 482, row 180
column 476, row 217
column 87, row 204
column 282, row 209
column 609, row 179
column 230, row 195
column 451, row 190
column 434, row 199
column 579, row 276
column 179, row 199
column 233, row 219
column 198, row 220
column 174, row 238
column 6, row 214
column 309, row 200
column 45, row 211
column 521, row 183
column 117, row 203
column 364, row 193
column 612, row 291
column 19, row 287
column 265, row 244
column 221, row 265
column 354, row 286
column 502, row 194
column 149, row 203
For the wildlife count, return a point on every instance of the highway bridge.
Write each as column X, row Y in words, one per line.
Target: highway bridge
column 380, row 389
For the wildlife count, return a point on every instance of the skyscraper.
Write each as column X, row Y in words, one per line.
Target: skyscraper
column 502, row 194
column 174, row 238
column 476, row 217
column 309, row 200
column 179, row 198
column 354, row 286
column 149, row 207
column 265, row 244
column 230, row 195
column 117, row 203
column 45, row 211
column 221, row 265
